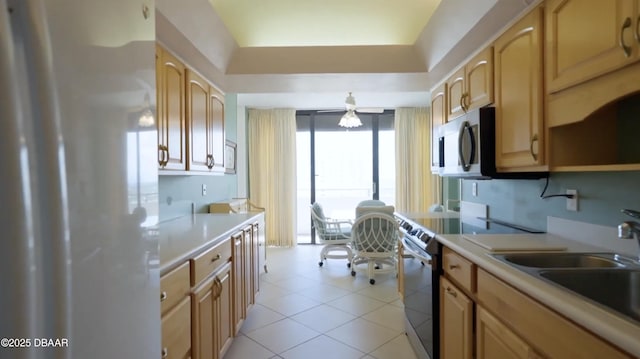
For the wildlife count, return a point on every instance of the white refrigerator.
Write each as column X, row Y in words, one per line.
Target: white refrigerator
column 78, row 180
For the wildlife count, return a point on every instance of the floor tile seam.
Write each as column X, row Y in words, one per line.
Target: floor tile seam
column 324, row 301
column 262, row 327
column 382, row 325
column 347, row 344
column 296, row 313
column 387, row 342
column 357, row 315
column 258, row 343
column 328, row 330
column 324, row 335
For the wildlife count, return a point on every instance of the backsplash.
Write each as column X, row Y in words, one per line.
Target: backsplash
column 601, row 196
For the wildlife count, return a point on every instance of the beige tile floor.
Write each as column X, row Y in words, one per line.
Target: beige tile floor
column 306, row 311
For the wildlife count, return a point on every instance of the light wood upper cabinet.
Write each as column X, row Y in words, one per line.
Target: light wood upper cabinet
column 586, row 39
column 456, row 326
column 215, row 129
column 455, row 90
column 479, row 80
column 438, row 118
column 205, row 123
column 170, row 78
column 519, row 95
column 471, row 86
column 197, row 122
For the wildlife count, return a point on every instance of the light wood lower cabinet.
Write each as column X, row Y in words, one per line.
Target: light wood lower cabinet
column 494, row 320
column 495, row 340
column 456, row 326
column 239, row 279
column 205, row 300
column 211, row 311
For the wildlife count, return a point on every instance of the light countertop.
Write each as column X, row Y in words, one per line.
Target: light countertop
column 619, row 331
column 183, row 237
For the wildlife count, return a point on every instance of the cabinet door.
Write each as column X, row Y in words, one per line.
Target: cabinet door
column 438, row 118
column 585, row 39
column 255, row 248
column 223, row 311
column 203, row 341
column 171, row 112
column 456, row 324
column 248, row 268
column 479, row 78
column 239, row 308
column 495, row 340
column 518, row 93
column 215, row 129
column 455, row 89
column 176, row 331
column 197, row 122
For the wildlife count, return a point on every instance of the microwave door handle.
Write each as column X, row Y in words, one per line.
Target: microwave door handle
column 466, row 165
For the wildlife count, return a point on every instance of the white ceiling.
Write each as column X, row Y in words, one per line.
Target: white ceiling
column 271, row 55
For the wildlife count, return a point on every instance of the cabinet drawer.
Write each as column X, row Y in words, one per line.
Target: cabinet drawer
column 459, row 269
column 176, row 330
column 174, row 286
column 538, row 325
column 209, row 261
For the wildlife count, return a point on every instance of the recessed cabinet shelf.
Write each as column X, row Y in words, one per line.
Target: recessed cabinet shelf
column 605, row 141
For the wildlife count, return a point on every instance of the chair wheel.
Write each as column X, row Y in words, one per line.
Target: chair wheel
column 349, row 265
column 353, row 273
column 372, row 281
column 377, row 267
column 320, row 264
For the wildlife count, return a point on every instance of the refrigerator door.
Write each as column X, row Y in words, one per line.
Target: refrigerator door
column 87, row 89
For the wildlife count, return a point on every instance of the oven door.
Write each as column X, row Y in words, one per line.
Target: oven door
column 419, row 293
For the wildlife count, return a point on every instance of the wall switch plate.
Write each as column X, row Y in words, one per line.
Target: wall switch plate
column 474, row 189
column 572, row 203
column 204, row 189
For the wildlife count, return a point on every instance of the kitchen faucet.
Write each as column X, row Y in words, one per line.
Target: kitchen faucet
column 630, row 229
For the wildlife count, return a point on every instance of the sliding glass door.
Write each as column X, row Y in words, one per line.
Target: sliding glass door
column 340, row 167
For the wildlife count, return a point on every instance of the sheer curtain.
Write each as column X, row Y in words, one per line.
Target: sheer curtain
column 416, row 188
column 272, row 171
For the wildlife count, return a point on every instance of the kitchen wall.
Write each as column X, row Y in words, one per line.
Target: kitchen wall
column 601, row 196
column 219, row 187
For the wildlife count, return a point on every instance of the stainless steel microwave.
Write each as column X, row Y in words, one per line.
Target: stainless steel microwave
column 467, row 145
column 467, row 148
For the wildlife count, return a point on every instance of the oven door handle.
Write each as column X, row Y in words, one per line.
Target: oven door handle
column 408, row 249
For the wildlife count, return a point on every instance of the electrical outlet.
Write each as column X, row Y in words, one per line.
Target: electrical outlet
column 572, row 203
column 204, row 189
column 474, row 189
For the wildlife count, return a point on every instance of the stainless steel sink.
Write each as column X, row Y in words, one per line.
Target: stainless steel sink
column 607, row 279
column 617, row 289
column 563, row 260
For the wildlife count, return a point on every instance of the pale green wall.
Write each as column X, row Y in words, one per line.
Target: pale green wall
column 189, row 188
column 601, row 196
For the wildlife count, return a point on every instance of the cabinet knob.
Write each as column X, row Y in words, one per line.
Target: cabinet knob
column 163, row 296
column 625, row 48
column 165, row 352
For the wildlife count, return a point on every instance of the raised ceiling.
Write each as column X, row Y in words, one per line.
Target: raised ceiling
column 284, row 23
column 299, row 53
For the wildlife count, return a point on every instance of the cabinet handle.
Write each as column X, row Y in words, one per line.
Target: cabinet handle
column 165, row 352
column 454, row 266
column 218, row 284
column 210, row 161
column 163, row 296
column 533, row 139
column 464, row 108
column 218, row 256
column 452, row 292
column 161, row 155
column 637, row 32
column 625, row 48
column 465, row 97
